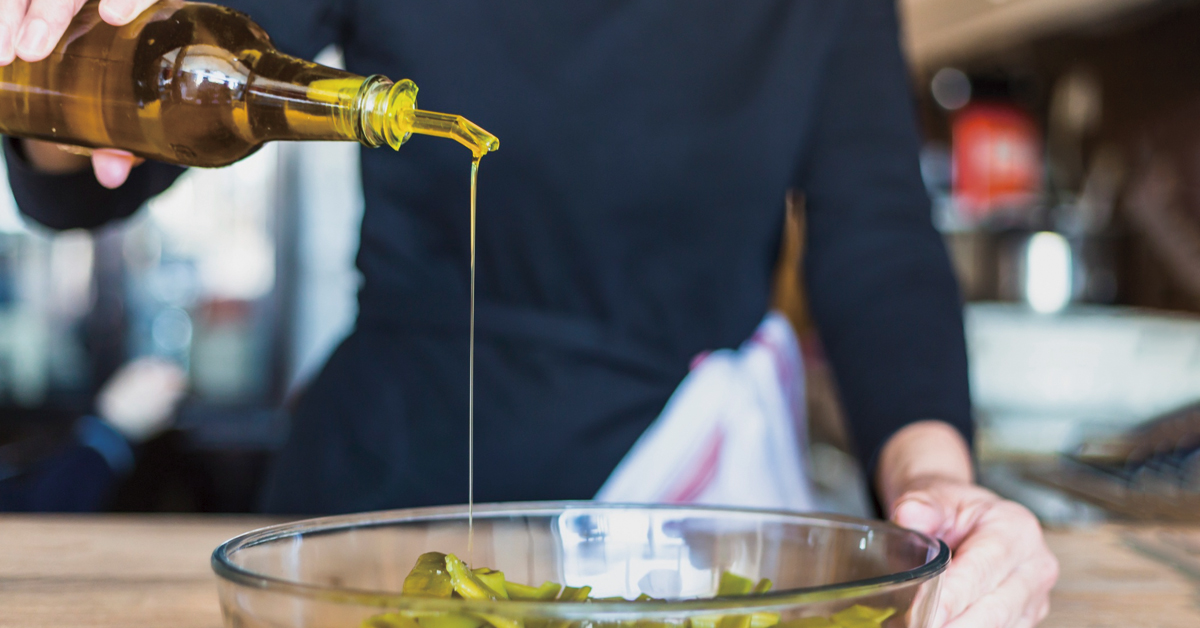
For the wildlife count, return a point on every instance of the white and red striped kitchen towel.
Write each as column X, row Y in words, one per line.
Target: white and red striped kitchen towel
column 733, row 434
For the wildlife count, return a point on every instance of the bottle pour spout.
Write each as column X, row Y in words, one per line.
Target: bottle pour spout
column 388, row 115
column 453, row 127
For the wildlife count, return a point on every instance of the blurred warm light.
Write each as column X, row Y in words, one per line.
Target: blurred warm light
column 1048, row 272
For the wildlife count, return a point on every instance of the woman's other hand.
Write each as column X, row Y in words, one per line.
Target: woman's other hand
column 1002, row 572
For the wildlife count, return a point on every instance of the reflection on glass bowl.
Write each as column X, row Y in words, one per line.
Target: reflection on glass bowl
column 835, row 572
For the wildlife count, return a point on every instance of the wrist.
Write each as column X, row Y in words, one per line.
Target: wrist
column 921, row 455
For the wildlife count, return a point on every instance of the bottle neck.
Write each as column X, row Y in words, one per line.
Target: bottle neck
column 382, row 112
column 348, row 107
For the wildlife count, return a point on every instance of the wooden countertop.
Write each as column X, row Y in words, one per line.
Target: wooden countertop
column 140, row 571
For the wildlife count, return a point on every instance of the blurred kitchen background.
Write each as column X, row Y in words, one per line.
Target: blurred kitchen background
column 1062, row 155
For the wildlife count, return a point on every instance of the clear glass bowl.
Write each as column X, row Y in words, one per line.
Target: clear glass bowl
column 337, row 572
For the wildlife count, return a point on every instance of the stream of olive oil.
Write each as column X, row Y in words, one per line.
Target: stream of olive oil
column 471, row 383
column 481, row 143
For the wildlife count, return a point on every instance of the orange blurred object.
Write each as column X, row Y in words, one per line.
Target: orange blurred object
column 997, row 159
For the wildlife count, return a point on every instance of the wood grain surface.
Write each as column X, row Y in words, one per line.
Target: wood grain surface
column 113, row 571
column 1105, row 583
column 143, row 571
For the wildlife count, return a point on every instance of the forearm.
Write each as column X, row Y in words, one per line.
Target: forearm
column 883, row 293
column 921, row 454
column 893, row 331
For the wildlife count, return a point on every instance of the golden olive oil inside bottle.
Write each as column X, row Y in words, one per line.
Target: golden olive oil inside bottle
column 201, row 85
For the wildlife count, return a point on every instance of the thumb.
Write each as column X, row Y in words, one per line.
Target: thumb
column 916, row 513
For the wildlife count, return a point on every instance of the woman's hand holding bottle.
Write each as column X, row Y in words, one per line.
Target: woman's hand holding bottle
column 29, row 30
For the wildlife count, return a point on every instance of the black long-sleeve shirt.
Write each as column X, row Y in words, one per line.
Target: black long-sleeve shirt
column 630, row 221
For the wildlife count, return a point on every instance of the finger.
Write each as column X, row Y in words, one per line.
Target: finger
column 122, row 12
column 915, row 512
column 1005, row 539
column 11, row 12
column 1034, row 616
column 44, row 24
column 1022, row 598
column 1045, row 577
column 1008, row 606
column 112, row 166
column 947, row 512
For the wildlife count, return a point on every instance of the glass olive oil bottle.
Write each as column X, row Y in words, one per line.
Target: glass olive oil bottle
column 201, row 85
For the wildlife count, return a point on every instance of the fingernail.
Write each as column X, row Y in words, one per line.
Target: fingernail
column 118, row 10
column 917, row 515
column 33, row 37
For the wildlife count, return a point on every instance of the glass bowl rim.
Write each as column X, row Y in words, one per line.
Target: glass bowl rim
column 392, row 600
